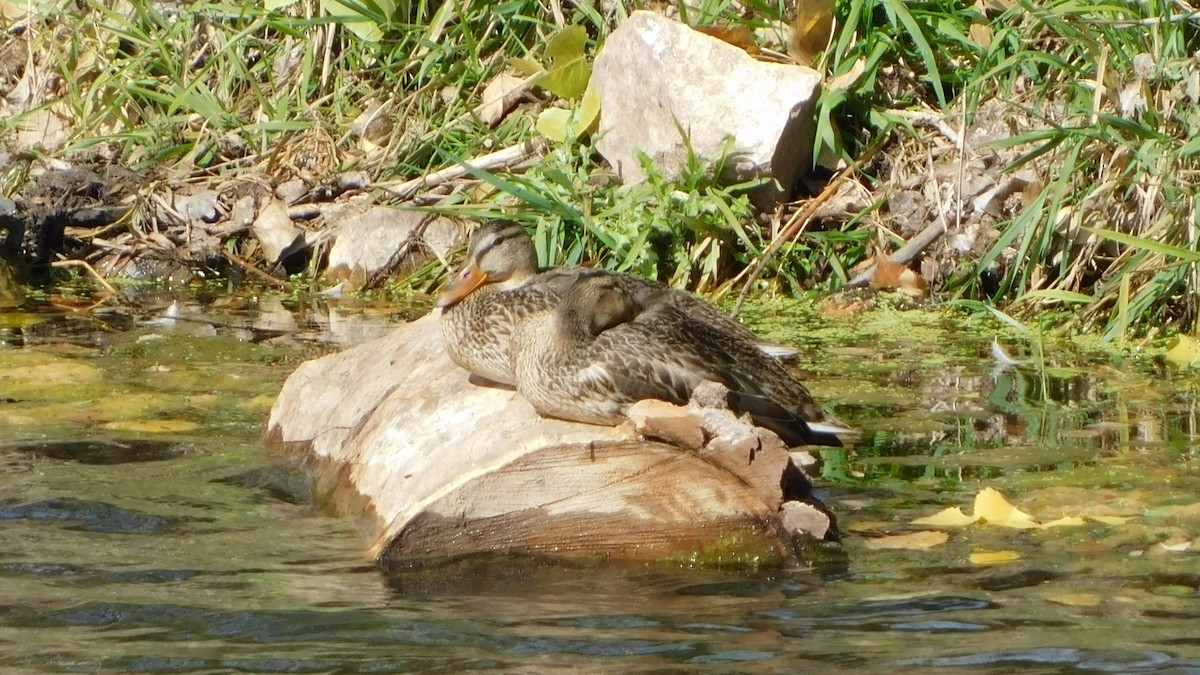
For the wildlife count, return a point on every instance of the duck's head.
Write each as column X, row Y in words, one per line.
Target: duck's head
column 595, row 303
column 500, row 252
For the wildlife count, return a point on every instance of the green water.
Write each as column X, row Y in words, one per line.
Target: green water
column 144, row 528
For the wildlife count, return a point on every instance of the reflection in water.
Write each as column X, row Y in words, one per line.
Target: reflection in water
column 191, row 550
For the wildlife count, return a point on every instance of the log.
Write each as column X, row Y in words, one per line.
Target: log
column 432, row 465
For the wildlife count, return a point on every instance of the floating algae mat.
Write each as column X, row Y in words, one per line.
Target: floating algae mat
column 147, row 529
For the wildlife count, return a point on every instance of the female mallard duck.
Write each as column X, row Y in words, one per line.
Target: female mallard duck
column 499, row 286
column 601, row 351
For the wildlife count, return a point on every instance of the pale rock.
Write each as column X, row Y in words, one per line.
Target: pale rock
column 201, row 207
column 275, row 232
column 803, row 518
column 291, row 191
column 382, row 237
column 663, row 85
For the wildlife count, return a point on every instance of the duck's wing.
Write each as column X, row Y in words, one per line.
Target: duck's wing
column 759, row 384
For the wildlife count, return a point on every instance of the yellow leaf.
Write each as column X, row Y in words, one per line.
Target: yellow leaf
column 810, row 30
column 499, row 96
column 152, row 426
column 552, row 123
column 1065, row 521
column 993, row 557
column 558, row 125
column 914, row 541
column 569, row 71
column 1074, row 599
column 526, row 67
column 951, row 517
column 981, row 34
column 1183, row 351
column 992, row 507
column 1111, row 520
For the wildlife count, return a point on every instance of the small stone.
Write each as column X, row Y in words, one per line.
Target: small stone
column 710, row 395
column 802, row 518
column 671, row 423
column 367, row 243
column 727, row 432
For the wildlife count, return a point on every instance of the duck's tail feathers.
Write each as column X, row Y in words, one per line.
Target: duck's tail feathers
column 791, row 428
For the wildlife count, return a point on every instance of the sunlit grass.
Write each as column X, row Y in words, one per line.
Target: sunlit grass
column 1101, row 99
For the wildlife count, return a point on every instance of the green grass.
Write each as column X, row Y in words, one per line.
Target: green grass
column 222, row 90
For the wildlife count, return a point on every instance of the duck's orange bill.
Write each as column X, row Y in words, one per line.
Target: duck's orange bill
column 466, row 281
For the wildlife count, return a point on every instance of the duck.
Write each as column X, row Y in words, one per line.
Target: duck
column 500, row 285
column 601, row 350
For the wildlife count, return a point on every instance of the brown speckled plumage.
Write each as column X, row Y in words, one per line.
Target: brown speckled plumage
column 601, row 351
column 477, row 324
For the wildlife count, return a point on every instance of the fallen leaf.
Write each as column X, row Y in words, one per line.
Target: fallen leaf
column 499, row 97
column 559, row 125
column 1175, row 545
column 738, row 36
column 993, row 557
column 1066, row 521
column 811, row 29
column 914, row 541
column 992, row 507
column 981, row 34
column 891, row 275
column 1074, row 599
column 152, row 426
column 951, row 517
column 1183, row 351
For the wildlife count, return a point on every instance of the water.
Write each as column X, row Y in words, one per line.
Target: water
column 144, row 528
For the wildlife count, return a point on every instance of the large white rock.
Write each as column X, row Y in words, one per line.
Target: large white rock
column 662, row 84
column 382, row 237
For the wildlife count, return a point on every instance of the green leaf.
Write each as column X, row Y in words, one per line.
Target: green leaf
column 1055, row 294
column 1183, row 254
column 364, row 20
column 569, row 70
column 560, row 125
column 272, row 5
column 526, row 67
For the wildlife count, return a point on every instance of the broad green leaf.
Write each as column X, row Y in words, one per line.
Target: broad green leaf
column 526, row 66
column 552, row 123
column 1183, row 352
column 569, row 70
column 278, row 4
column 1016, row 325
column 1054, row 294
column 560, row 125
column 364, row 21
column 1183, row 254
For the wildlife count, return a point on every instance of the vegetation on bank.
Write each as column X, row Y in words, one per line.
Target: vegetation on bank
column 1092, row 104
